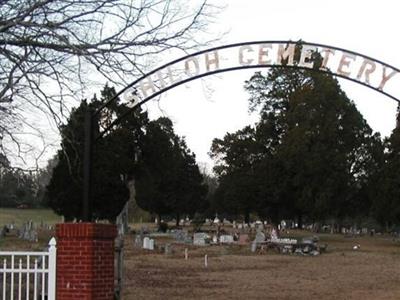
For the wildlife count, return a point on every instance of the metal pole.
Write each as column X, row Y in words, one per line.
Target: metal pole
column 87, row 166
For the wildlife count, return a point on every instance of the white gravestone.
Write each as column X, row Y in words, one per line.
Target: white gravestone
column 226, row 239
column 151, row 244
column 200, row 239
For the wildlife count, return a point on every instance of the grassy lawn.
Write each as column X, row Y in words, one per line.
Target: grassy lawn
column 234, row 272
column 370, row 273
column 20, row 216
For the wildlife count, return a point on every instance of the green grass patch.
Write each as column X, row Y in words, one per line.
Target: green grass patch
column 20, row 216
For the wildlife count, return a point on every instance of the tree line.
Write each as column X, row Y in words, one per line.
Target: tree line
column 311, row 157
column 167, row 180
column 20, row 188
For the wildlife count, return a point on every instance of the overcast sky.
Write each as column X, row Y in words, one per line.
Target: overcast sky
column 203, row 110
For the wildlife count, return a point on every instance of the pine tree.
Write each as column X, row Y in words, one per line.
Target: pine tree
column 113, row 162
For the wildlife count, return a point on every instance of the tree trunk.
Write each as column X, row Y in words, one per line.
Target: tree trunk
column 340, row 226
column 247, row 217
column 300, row 221
column 387, row 226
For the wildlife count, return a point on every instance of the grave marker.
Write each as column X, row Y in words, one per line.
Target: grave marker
column 226, row 239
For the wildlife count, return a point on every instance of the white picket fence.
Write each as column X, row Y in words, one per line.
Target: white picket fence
column 29, row 275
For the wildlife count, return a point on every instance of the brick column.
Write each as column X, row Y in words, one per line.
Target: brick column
column 85, row 261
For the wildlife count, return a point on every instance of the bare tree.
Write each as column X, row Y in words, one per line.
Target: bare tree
column 52, row 51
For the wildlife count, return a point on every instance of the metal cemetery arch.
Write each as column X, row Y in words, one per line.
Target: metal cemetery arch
column 340, row 62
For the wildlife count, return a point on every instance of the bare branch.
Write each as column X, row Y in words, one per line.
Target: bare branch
column 52, row 52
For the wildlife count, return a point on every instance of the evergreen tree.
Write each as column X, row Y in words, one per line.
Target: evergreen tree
column 113, row 161
column 324, row 144
column 386, row 205
column 168, row 180
column 314, row 157
column 18, row 189
column 237, row 155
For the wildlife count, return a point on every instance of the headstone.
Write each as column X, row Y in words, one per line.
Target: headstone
column 168, row 249
column 151, row 244
column 308, row 241
column 260, row 237
column 307, row 249
column 285, row 241
column 298, row 251
column 314, row 252
column 274, row 234
column 28, row 232
column 226, row 222
column 226, row 239
column 283, row 224
column 138, row 241
column 22, row 231
column 215, row 239
column 287, row 249
column 146, row 243
column 253, row 246
column 33, row 236
column 180, row 235
column 188, row 240
column 200, row 239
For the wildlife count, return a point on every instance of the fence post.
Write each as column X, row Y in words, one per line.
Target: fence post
column 52, row 269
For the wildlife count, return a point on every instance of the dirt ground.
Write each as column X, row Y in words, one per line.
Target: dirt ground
column 233, row 272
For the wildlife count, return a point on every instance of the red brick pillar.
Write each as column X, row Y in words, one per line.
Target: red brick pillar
column 85, row 261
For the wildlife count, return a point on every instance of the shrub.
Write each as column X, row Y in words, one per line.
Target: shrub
column 163, row 227
column 197, row 221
